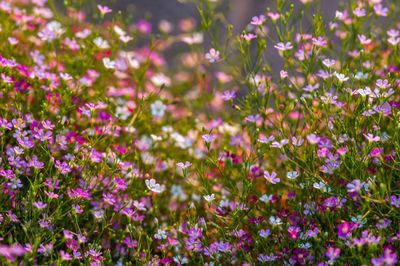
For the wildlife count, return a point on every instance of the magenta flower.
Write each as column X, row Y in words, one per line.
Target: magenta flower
column 376, row 152
column 79, row 193
column 344, row 229
column 294, row 232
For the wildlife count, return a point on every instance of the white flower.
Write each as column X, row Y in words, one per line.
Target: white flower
column 339, row 15
column 158, row 109
column 122, row 34
column 160, row 79
column 279, row 144
column 313, row 139
column 209, row 198
column 119, row 31
column 193, row 38
column 292, row 175
column 65, row 76
column 160, row 234
column 108, row 63
column 125, row 38
column 83, row 34
column 122, row 112
column 341, row 77
column 322, row 186
column 264, row 139
column 153, row 186
column 12, row 40
column 101, row 43
column 266, row 198
column 275, row 220
column 55, row 27
column 283, row 46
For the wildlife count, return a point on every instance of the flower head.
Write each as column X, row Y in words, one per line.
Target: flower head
column 213, row 55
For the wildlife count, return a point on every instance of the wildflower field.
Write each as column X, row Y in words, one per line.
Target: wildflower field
column 125, row 142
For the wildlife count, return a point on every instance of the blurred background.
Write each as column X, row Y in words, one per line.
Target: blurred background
column 178, row 12
column 238, row 12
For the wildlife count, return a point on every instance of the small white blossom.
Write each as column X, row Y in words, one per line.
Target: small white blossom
column 154, row 186
column 209, row 198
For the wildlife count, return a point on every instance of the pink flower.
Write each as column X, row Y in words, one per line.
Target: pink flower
column 79, row 193
column 342, row 151
column 248, row 36
column 65, row 256
column 104, row 9
column 183, row 165
column 283, row 74
column 10, row 252
column 359, row 12
column 372, row 138
column 376, row 152
column 380, row 10
column 320, row 41
column 313, row 139
column 257, row 21
column 40, row 205
column 228, row 95
column 273, row 16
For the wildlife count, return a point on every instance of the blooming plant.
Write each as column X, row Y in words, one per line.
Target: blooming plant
column 115, row 152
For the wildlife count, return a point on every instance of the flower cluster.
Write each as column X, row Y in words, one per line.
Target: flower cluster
column 114, row 152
